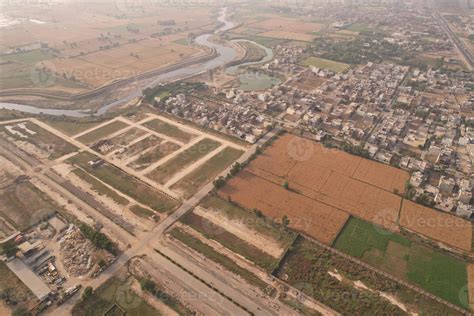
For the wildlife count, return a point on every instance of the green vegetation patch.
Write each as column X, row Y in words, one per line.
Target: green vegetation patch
column 23, row 205
column 102, row 132
column 125, row 183
column 325, row 64
column 210, row 253
column 30, row 58
column 208, row 171
column 164, row 172
column 100, row 188
column 231, row 242
column 432, row 270
column 159, row 293
column 141, row 211
column 116, row 297
column 307, row 266
column 169, row 130
column 71, row 127
column 253, row 220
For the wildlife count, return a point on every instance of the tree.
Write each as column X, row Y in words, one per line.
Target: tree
column 9, row 248
column 258, row 213
column 286, row 185
column 285, row 221
column 219, row 182
column 87, row 293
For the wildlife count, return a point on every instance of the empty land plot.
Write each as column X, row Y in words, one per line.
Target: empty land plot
column 120, row 141
column 438, row 273
column 139, row 147
column 306, row 215
column 446, row 228
column 141, row 211
column 11, row 286
column 326, row 175
column 125, row 183
column 169, row 130
column 215, row 256
column 325, row 64
column 153, row 155
column 230, row 241
column 100, row 188
column 102, row 132
column 263, row 226
column 164, row 172
column 23, row 204
column 47, row 142
column 71, row 127
column 205, row 173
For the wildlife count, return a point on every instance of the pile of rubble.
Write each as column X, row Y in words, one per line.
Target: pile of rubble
column 76, row 252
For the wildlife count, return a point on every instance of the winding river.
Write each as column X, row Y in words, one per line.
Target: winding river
column 225, row 54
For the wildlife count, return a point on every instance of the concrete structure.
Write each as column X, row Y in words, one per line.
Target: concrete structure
column 31, row 280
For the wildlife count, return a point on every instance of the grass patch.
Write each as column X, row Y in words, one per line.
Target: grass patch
column 100, row 188
column 30, row 58
column 109, row 294
column 164, row 172
column 71, row 127
column 11, row 287
column 432, row 270
column 325, row 64
column 102, row 132
column 262, row 225
column 181, row 41
column 153, row 155
column 125, row 183
column 231, row 242
column 23, row 205
column 208, row 171
column 210, row 253
column 141, row 211
column 169, row 130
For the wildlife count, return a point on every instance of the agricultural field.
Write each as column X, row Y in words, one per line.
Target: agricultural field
column 432, row 270
column 21, row 204
column 446, row 228
column 325, row 64
column 85, row 49
column 343, row 285
column 322, row 185
column 45, row 145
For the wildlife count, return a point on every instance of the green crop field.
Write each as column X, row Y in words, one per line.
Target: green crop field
column 432, row 270
column 325, row 64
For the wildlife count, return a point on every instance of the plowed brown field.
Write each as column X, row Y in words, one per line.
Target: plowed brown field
column 440, row 226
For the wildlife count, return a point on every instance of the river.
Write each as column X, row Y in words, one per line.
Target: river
column 225, row 54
